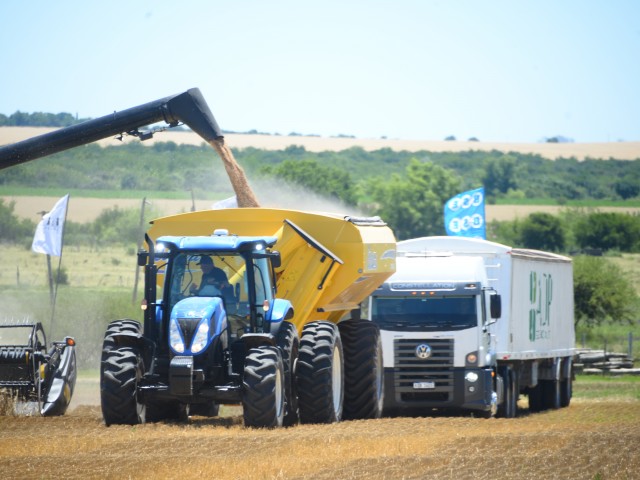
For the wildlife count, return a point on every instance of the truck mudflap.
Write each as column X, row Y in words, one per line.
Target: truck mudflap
column 466, row 389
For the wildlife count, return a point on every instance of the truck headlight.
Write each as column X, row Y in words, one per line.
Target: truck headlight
column 200, row 338
column 471, row 377
column 175, row 339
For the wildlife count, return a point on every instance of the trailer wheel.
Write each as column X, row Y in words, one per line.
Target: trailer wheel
column 363, row 369
column 535, row 398
column 550, row 394
column 121, row 373
column 289, row 344
column 320, row 374
column 566, row 388
column 263, row 388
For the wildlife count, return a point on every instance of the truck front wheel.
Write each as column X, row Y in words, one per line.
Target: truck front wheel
column 263, row 388
column 363, row 370
column 320, row 374
column 509, row 406
column 122, row 370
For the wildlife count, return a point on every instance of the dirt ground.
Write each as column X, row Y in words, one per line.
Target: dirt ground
column 591, row 439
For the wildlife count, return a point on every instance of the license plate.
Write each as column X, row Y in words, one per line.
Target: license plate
column 423, row 385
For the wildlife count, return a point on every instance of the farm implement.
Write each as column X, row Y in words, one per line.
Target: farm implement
column 30, row 373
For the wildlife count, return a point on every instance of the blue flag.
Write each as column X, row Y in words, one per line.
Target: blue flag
column 464, row 215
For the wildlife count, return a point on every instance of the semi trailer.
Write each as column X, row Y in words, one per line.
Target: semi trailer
column 278, row 332
column 470, row 325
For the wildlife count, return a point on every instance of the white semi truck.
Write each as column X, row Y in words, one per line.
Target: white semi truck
column 469, row 325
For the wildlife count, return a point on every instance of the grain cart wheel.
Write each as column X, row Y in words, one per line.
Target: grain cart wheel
column 289, row 344
column 121, row 373
column 263, row 388
column 320, row 374
column 363, row 369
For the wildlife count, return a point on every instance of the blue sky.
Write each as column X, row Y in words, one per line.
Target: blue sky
column 513, row 71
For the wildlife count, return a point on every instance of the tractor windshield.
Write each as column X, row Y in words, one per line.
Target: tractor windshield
column 239, row 279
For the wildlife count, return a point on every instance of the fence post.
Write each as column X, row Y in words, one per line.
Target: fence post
column 630, row 355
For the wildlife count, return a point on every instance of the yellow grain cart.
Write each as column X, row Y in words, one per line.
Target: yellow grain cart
column 329, row 264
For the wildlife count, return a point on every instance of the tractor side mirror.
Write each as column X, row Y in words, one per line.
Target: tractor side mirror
column 142, row 258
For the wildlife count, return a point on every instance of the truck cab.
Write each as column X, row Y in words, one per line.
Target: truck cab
column 434, row 315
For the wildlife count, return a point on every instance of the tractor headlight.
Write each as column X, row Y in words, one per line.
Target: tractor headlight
column 471, row 377
column 175, row 339
column 200, row 338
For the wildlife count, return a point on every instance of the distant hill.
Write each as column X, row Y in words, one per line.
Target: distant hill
column 552, row 151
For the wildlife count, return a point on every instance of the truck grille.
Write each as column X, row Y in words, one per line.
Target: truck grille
column 423, row 380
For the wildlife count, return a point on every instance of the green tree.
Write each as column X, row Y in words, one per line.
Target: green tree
column 12, row 228
column 602, row 292
column 608, row 230
column 500, row 176
column 328, row 181
column 542, row 231
column 413, row 205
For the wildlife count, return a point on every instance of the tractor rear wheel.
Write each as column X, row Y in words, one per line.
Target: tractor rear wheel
column 363, row 369
column 289, row 344
column 320, row 374
column 121, row 373
column 263, row 388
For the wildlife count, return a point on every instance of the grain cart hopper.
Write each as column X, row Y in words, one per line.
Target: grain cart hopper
column 31, row 373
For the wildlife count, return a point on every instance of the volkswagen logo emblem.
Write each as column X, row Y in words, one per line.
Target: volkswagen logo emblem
column 423, row 351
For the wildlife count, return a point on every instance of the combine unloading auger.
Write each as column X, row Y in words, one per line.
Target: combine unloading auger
column 189, row 108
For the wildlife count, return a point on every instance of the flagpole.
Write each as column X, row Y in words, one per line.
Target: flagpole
column 140, row 236
column 55, row 294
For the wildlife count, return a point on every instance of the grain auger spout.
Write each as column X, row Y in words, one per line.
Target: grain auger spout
column 189, row 108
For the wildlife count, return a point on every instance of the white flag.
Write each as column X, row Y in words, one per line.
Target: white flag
column 231, row 202
column 48, row 237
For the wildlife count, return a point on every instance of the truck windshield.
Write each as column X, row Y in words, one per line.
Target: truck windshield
column 434, row 314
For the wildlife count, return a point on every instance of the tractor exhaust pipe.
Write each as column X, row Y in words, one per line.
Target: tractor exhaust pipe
column 188, row 107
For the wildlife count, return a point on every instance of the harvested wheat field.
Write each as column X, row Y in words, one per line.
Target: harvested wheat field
column 590, row 439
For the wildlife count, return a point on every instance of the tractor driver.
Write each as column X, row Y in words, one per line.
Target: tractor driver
column 211, row 277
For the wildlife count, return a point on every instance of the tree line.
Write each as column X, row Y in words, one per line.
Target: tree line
column 39, row 119
column 406, row 189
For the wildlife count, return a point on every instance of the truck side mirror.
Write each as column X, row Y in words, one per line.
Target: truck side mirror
column 495, row 306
